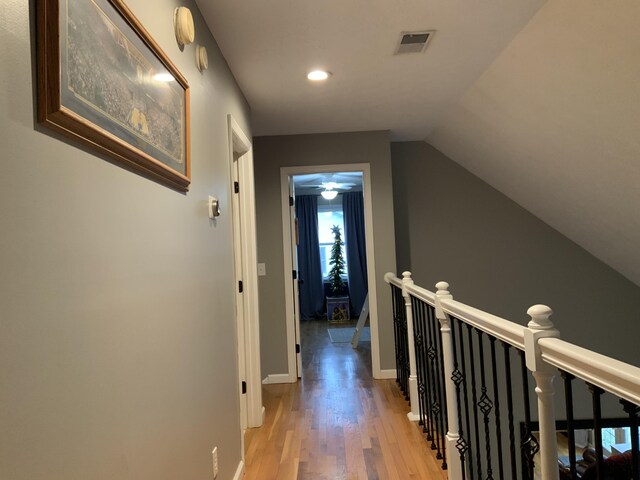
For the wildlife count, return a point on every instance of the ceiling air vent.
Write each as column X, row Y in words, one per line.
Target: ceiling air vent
column 414, row 42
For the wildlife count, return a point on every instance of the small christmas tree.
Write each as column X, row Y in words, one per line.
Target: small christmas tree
column 337, row 262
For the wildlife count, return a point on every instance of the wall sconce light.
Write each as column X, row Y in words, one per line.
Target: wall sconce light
column 183, row 25
column 202, row 59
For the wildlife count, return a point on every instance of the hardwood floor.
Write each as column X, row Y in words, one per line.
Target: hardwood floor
column 337, row 422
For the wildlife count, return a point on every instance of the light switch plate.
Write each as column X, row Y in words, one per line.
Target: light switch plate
column 262, row 269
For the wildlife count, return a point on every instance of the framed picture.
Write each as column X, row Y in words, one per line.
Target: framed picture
column 103, row 81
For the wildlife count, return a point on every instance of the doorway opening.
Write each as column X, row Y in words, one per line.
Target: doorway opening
column 328, row 244
column 332, row 272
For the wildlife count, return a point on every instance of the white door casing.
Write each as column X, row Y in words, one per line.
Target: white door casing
column 291, row 309
column 240, row 314
column 296, row 283
column 245, row 260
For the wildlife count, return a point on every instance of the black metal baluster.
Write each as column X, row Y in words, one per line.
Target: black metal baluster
column 496, row 404
column 400, row 315
column 596, row 393
column 394, row 310
column 402, row 343
column 458, row 378
column 427, row 427
column 442, row 393
column 466, row 396
column 429, row 376
column 417, row 336
column 512, row 435
column 568, row 399
column 435, row 405
column 399, row 307
column 530, row 445
column 486, row 405
column 474, row 398
column 633, row 410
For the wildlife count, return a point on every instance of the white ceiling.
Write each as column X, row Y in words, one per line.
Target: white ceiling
column 270, row 45
column 540, row 100
column 313, row 183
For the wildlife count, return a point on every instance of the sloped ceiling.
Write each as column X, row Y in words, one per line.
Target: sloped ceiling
column 554, row 123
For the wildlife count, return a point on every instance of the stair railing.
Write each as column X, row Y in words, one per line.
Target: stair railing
column 470, row 379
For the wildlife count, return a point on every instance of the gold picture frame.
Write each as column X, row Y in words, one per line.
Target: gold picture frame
column 104, row 82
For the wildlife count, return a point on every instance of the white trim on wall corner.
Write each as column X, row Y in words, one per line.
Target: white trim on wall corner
column 386, row 374
column 277, row 378
column 239, row 471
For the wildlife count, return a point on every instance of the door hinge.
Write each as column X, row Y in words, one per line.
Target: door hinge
column 244, row 387
column 295, row 275
column 291, row 201
column 236, row 187
column 240, row 287
column 297, row 348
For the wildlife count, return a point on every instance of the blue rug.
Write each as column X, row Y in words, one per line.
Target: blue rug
column 344, row 335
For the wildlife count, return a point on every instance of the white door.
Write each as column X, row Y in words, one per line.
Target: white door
column 294, row 273
column 240, row 310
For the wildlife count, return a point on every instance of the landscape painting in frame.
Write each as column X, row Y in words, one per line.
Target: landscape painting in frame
column 106, row 83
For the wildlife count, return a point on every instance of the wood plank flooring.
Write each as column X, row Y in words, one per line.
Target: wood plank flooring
column 337, row 422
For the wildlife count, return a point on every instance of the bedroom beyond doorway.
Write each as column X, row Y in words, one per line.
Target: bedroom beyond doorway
column 332, row 277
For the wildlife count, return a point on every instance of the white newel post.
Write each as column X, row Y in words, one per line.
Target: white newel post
column 541, row 327
column 454, row 469
column 414, row 414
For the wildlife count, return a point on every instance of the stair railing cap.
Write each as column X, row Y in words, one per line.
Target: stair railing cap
column 540, row 317
column 443, row 288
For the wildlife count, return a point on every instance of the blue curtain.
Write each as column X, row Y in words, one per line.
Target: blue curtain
column 309, row 269
column 353, row 208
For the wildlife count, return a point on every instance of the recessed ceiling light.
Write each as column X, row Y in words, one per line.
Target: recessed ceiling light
column 318, row 75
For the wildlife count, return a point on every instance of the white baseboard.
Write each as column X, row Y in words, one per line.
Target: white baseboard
column 387, row 374
column 276, row 378
column 413, row 417
column 239, row 471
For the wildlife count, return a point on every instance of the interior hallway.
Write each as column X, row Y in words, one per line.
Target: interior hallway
column 337, row 422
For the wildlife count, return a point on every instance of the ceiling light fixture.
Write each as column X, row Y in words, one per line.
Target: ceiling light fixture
column 318, row 75
column 329, row 194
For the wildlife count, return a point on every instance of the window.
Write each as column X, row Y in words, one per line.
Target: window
column 616, row 440
column 330, row 214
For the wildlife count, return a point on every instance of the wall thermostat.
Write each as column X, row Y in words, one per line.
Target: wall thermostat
column 214, row 207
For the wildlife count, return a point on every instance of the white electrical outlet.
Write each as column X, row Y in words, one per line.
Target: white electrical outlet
column 214, row 456
column 262, row 269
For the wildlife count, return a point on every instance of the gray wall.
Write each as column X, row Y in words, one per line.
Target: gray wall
column 271, row 153
column 117, row 338
column 452, row 226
